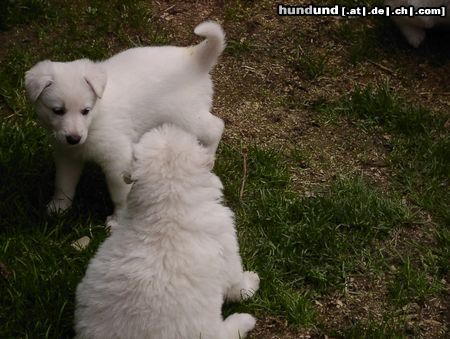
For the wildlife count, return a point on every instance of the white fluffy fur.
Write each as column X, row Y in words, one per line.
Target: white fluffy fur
column 165, row 272
column 414, row 28
column 126, row 96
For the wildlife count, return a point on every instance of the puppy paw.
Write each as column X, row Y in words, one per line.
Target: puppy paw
column 245, row 288
column 250, row 284
column 414, row 35
column 239, row 324
column 58, row 205
column 111, row 222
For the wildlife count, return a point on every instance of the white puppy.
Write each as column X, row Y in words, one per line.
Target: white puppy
column 97, row 110
column 166, row 271
column 413, row 28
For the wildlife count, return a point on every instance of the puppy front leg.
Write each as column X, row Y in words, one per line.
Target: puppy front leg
column 68, row 171
column 119, row 192
column 114, row 166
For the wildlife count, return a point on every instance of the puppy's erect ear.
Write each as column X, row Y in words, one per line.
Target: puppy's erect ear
column 96, row 79
column 37, row 79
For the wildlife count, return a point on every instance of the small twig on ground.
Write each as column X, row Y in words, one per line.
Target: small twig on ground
column 168, row 9
column 244, row 173
column 384, row 68
column 434, row 93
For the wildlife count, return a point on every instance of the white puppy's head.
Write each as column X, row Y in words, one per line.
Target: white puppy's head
column 169, row 162
column 65, row 95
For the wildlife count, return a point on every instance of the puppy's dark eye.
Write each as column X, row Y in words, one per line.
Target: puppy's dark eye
column 85, row 111
column 58, row 111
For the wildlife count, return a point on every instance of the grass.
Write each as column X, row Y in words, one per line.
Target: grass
column 412, row 284
column 420, row 142
column 375, row 329
column 238, row 48
column 311, row 64
column 420, row 156
column 366, row 40
column 305, row 248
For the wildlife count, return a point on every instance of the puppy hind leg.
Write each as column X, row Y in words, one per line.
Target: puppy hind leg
column 68, row 172
column 209, row 131
column 238, row 325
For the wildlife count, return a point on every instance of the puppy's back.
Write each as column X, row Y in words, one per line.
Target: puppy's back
column 160, row 275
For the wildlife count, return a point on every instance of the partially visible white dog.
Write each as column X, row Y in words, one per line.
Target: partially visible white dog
column 97, row 110
column 165, row 272
column 413, row 28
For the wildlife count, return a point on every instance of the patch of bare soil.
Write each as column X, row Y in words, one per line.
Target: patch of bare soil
column 264, row 99
column 366, row 303
column 274, row 328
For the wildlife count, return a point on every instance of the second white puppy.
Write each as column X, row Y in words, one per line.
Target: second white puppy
column 414, row 28
column 97, row 110
column 167, row 270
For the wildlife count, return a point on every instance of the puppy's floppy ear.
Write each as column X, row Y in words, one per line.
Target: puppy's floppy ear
column 37, row 79
column 96, row 79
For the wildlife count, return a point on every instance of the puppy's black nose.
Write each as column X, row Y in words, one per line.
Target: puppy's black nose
column 73, row 139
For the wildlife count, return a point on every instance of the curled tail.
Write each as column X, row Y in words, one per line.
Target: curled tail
column 208, row 51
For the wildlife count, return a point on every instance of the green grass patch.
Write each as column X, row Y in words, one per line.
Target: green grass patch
column 311, row 64
column 38, row 295
column 421, row 144
column 441, row 253
column 420, row 158
column 303, row 246
column 413, row 285
column 238, row 47
column 366, row 38
column 63, row 36
column 387, row 328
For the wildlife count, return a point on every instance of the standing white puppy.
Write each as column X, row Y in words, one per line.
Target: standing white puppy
column 166, row 271
column 413, row 28
column 97, row 110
